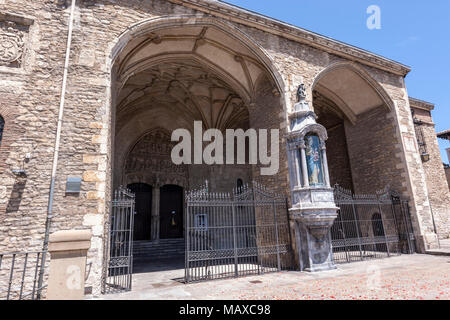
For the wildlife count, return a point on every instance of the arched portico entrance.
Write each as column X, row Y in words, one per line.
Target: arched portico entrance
column 166, row 75
column 362, row 147
column 357, row 113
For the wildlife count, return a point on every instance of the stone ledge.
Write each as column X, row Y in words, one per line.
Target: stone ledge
column 70, row 240
column 438, row 252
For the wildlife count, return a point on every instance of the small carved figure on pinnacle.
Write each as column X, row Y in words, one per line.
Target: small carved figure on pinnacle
column 301, row 93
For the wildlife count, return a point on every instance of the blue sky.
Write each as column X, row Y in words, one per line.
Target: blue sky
column 415, row 33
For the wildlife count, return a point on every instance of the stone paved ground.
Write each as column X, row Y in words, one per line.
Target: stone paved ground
column 404, row 277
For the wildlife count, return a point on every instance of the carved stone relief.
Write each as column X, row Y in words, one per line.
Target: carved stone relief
column 12, row 44
column 149, row 161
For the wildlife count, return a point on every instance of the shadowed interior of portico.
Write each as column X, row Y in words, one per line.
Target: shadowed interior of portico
column 154, row 265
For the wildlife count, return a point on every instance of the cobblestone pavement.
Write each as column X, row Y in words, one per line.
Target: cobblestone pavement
column 404, row 277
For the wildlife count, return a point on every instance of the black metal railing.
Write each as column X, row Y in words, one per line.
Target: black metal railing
column 19, row 274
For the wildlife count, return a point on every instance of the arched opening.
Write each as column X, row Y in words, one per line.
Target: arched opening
column 165, row 77
column 378, row 230
column 355, row 110
column 361, row 153
column 239, row 184
column 377, row 225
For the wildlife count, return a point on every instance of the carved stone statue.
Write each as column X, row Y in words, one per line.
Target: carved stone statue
column 301, row 93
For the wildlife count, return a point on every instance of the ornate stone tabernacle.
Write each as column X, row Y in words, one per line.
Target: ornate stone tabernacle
column 313, row 209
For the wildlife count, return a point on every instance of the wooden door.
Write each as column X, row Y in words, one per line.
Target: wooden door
column 143, row 209
column 171, row 212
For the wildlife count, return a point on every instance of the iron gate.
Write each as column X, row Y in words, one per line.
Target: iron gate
column 236, row 234
column 370, row 226
column 120, row 261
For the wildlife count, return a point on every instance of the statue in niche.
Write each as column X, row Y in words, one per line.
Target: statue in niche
column 301, row 93
column 314, row 160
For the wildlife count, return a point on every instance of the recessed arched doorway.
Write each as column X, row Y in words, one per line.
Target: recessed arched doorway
column 378, row 230
column 171, row 212
column 143, row 211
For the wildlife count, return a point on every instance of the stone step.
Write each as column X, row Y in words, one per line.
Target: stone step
column 438, row 252
column 158, row 248
column 166, row 248
column 164, row 256
column 155, row 246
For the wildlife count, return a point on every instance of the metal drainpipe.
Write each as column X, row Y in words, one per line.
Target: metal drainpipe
column 56, row 151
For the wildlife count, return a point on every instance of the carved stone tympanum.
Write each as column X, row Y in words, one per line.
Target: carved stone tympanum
column 150, row 161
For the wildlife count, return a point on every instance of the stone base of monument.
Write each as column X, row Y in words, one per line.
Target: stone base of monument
column 313, row 217
column 315, row 247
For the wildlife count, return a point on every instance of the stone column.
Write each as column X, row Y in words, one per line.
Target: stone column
column 155, row 213
column 304, row 168
column 325, row 164
column 297, row 176
column 68, row 252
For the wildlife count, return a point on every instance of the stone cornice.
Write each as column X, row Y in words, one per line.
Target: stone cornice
column 420, row 104
column 444, row 134
column 252, row 19
column 20, row 19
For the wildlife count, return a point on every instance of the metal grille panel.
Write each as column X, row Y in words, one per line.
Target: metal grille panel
column 370, row 226
column 236, row 234
column 19, row 276
column 119, row 271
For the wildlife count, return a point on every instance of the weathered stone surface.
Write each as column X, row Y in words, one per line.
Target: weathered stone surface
column 438, row 189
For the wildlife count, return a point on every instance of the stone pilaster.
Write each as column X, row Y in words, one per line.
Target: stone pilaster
column 68, row 251
column 155, row 213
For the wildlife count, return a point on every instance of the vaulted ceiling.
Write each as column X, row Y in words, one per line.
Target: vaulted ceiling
column 174, row 76
column 352, row 90
column 182, row 74
column 185, row 89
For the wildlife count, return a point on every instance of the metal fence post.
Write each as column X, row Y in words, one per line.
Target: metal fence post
column 405, row 211
column 188, row 233
column 343, row 235
column 11, row 275
column 384, row 228
column 276, row 234
column 357, row 230
column 234, row 238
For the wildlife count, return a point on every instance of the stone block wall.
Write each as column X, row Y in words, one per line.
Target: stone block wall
column 267, row 113
column 447, row 174
column 372, row 147
column 438, row 190
column 338, row 160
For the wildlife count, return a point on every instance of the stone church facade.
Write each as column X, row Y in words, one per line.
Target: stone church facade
column 139, row 69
